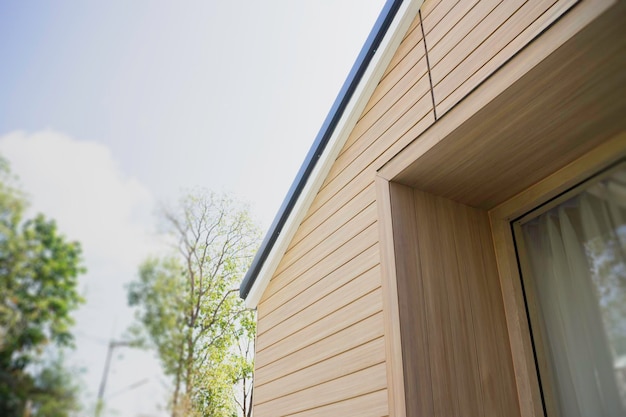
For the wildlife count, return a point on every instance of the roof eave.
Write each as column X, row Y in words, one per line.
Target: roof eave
column 391, row 25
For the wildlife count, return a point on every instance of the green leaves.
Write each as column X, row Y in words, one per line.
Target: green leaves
column 39, row 280
column 188, row 306
column 39, row 272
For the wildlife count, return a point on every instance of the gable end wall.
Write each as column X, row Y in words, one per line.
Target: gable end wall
column 320, row 346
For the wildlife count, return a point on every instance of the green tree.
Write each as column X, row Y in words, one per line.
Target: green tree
column 188, row 307
column 38, row 292
column 55, row 391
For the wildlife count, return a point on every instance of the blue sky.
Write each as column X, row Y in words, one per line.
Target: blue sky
column 107, row 108
column 183, row 93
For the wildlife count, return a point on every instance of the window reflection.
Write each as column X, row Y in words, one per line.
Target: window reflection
column 576, row 253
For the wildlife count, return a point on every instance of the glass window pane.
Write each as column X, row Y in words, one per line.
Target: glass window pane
column 576, row 257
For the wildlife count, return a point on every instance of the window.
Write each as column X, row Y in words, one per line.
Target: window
column 573, row 258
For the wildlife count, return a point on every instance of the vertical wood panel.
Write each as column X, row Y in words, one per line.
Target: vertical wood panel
column 455, row 353
column 438, row 333
column 460, row 274
column 497, row 367
column 393, row 339
column 412, row 314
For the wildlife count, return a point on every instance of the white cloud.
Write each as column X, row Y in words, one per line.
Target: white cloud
column 79, row 184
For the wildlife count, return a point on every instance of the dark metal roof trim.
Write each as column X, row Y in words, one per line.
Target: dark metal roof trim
column 372, row 43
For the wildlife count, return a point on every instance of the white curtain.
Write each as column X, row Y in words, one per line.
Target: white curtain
column 579, row 272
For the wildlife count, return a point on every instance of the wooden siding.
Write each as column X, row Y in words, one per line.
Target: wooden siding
column 320, row 343
column 356, row 334
column 498, row 145
column 571, row 71
column 322, row 324
column 477, row 37
column 362, row 382
column 373, row 404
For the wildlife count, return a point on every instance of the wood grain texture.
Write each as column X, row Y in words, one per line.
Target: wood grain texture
column 400, row 102
column 362, row 170
column 395, row 94
column 579, row 62
column 393, row 336
column 483, row 70
column 305, row 292
column 327, row 245
column 333, row 323
column 453, row 340
column 356, row 334
column 502, row 388
column 430, row 5
column 479, row 37
column 408, row 43
column 461, row 329
column 443, row 41
column 354, row 289
column 331, row 216
column 438, row 333
column 348, row 362
column 373, row 404
column 358, row 383
column 363, row 224
column 599, row 158
column 316, row 311
column 444, row 17
column 404, row 113
column 488, row 163
column 411, row 302
column 285, row 287
column 308, row 252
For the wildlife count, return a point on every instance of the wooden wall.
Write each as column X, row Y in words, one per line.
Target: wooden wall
column 320, row 346
column 468, row 40
column 321, row 339
column 455, row 351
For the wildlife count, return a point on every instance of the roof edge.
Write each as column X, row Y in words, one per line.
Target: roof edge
column 389, row 29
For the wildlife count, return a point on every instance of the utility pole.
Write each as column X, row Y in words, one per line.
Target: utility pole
column 107, row 365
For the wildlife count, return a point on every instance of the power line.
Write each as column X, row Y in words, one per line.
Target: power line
column 129, row 387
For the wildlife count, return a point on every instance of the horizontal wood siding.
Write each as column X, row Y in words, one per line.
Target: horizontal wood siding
column 330, row 324
column 334, row 367
column 477, row 37
column 352, row 336
column 373, row 404
column 321, row 339
column 320, row 343
column 313, row 291
column 362, row 382
column 355, row 289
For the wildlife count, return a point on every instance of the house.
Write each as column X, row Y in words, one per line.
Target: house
column 399, row 277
